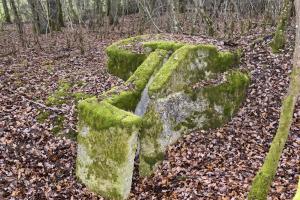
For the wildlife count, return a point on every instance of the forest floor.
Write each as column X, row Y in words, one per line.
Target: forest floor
column 39, row 89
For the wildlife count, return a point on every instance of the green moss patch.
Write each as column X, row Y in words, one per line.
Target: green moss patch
column 102, row 115
column 151, row 152
column 128, row 99
column 105, row 160
column 189, row 64
column 63, row 94
column 60, row 95
column 297, row 196
column 125, row 56
column 108, row 133
column 57, row 121
column 165, row 45
column 228, row 95
column 107, row 143
column 123, row 62
column 177, row 108
column 43, row 116
column 58, row 124
column 78, row 96
column 108, row 129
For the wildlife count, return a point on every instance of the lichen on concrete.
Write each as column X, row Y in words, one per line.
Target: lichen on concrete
column 123, row 62
column 107, row 143
column 166, row 71
column 165, row 45
column 108, row 133
column 128, row 99
column 176, row 108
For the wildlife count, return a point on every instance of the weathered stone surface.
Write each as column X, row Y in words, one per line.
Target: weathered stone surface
column 172, row 88
column 176, row 107
column 123, row 60
column 106, row 151
column 107, row 140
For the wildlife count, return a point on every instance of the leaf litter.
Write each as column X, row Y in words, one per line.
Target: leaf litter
column 213, row 164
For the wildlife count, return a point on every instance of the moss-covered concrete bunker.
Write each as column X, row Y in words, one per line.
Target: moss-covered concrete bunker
column 179, row 87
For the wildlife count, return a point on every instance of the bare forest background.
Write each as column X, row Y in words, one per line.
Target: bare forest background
column 218, row 18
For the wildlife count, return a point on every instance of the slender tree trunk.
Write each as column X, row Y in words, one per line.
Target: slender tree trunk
column 79, row 8
column 264, row 178
column 99, row 12
column 113, row 14
column 182, row 6
column 74, row 15
column 207, row 20
column 279, row 37
column 297, row 63
column 18, row 21
column 297, row 43
column 173, row 23
column 195, row 17
column 60, row 14
column 39, row 19
column 55, row 15
column 6, row 12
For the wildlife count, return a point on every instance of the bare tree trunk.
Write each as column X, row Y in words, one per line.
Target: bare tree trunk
column 55, row 15
column 39, row 19
column 279, row 38
column 195, row 17
column 79, row 7
column 18, row 21
column 60, row 14
column 182, row 6
column 208, row 21
column 99, row 12
column 297, row 63
column 297, row 43
column 173, row 23
column 6, row 12
column 145, row 13
column 113, row 12
column 74, row 15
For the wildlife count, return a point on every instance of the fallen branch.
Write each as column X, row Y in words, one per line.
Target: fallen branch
column 53, row 109
column 261, row 40
column 8, row 54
